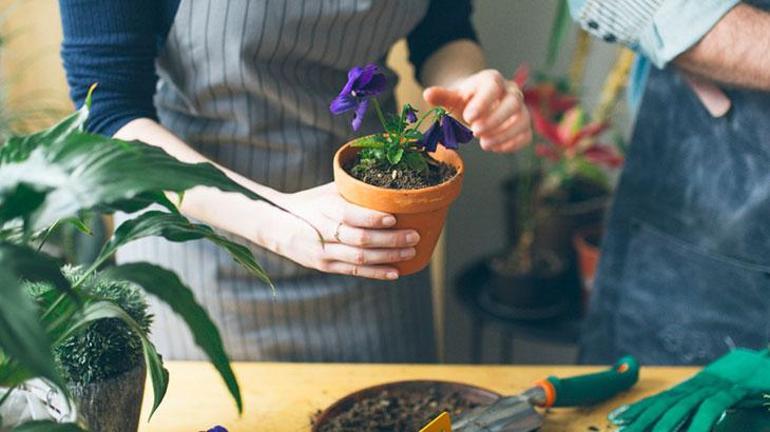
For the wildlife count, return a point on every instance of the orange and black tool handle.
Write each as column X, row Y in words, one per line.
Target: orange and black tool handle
column 589, row 389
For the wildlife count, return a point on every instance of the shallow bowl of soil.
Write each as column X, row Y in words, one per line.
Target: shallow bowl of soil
column 405, row 406
column 417, row 204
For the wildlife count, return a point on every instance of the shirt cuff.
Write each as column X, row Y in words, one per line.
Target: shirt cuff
column 678, row 25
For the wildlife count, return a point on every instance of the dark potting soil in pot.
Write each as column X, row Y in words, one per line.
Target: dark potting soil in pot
column 390, row 411
column 438, row 172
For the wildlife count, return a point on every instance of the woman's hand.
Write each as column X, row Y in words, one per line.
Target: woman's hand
column 492, row 106
column 358, row 241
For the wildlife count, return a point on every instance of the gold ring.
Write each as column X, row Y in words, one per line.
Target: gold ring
column 517, row 91
column 337, row 233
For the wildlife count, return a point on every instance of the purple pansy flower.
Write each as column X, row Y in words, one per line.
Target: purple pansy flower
column 450, row 132
column 411, row 114
column 431, row 137
column 217, row 429
column 363, row 83
column 455, row 133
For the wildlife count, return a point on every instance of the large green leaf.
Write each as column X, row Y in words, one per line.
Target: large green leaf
column 168, row 288
column 19, row 148
column 22, row 337
column 48, row 426
column 177, row 228
column 98, row 310
column 83, row 171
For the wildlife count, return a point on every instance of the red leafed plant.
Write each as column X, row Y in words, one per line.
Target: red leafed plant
column 570, row 151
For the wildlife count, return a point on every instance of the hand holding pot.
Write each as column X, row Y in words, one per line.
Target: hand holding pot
column 493, row 107
column 358, row 241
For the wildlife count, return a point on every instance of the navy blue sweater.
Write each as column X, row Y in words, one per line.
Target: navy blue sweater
column 115, row 43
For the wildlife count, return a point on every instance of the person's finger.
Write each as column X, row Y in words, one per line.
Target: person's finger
column 507, row 108
column 486, row 89
column 360, row 237
column 442, row 96
column 360, row 256
column 350, row 214
column 364, row 271
column 517, row 143
column 506, row 133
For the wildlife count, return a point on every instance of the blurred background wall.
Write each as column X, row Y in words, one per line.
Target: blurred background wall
column 512, row 32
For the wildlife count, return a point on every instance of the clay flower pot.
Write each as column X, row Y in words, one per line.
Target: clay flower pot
column 586, row 243
column 423, row 210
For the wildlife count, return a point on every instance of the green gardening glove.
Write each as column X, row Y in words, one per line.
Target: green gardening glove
column 704, row 397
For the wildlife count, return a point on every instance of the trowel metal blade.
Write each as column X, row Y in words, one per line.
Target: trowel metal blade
column 510, row 414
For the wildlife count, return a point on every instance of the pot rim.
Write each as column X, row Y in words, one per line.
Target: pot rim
column 401, row 200
column 328, row 412
column 456, row 162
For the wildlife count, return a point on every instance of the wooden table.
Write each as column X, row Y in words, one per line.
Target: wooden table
column 281, row 397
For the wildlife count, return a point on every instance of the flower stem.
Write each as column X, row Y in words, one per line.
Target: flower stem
column 381, row 116
column 433, row 111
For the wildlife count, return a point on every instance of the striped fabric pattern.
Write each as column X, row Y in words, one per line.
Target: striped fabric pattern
column 619, row 21
column 247, row 83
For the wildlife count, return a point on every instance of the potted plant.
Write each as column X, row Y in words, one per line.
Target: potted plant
column 402, row 171
column 563, row 183
column 61, row 176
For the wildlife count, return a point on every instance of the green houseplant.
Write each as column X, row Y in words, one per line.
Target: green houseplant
column 61, row 176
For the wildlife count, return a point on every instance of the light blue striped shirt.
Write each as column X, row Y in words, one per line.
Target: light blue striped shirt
column 659, row 30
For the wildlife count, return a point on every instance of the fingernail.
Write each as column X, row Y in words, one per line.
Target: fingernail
column 392, row 275
column 412, row 238
column 388, row 221
column 408, row 253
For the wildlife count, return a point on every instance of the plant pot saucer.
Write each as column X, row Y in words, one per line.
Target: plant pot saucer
column 469, row 393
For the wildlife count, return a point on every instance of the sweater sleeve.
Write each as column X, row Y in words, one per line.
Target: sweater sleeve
column 446, row 21
column 113, row 43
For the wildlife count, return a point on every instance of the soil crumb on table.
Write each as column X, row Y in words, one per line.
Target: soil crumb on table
column 436, row 173
column 391, row 412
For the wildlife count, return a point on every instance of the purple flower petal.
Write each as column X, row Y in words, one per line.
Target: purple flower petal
column 431, row 137
column 370, row 81
column 455, row 133
column 342, row 104
column 217, row 429
column 358, row 118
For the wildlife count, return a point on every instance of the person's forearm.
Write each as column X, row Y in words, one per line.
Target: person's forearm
column 452, row 62
column 227, row 211
column 734, row 51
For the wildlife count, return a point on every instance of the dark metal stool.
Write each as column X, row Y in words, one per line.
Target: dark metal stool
column 472, row 283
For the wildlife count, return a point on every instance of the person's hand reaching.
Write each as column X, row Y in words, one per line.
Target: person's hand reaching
column 492, row 106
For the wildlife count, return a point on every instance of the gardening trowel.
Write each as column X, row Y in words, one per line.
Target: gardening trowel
column 518, row 414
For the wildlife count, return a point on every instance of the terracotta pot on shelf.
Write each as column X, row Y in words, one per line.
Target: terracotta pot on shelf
column 423, row 210
column 586, row 242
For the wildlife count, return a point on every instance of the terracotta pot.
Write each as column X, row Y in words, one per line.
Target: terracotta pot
column 586, row 243
column 423, row 210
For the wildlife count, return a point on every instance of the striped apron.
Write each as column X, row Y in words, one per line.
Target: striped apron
column 247, row 83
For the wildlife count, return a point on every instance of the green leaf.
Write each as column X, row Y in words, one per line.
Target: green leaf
column 168, row 288
column 371, row 141
column 591, row 172
column 98, row 310
column 19, row 148
column 413, row 135
column 177, row 228
column 395, row 153
column 416, row 161
column 561, row 24
column 81, row 171
column 48, row 426
column 140, row 202
column 22, row 337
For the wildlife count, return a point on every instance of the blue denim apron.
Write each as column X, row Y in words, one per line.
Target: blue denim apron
column 685, row 270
